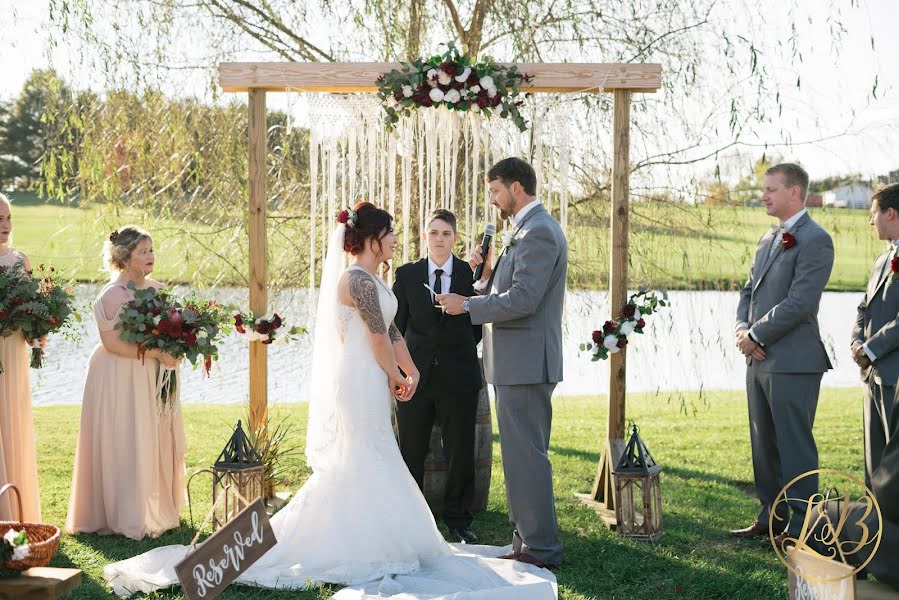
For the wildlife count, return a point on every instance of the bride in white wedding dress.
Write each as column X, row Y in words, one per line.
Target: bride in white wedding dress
column 360, row 519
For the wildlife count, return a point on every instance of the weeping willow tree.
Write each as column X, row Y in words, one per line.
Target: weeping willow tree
column 182, row 161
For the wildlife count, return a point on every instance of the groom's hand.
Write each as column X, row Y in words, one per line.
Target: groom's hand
column 452, row 303
column 748, row 347
column 860, row 356
column 477, row 257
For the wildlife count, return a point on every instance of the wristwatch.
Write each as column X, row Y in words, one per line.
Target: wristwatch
column 466, row 304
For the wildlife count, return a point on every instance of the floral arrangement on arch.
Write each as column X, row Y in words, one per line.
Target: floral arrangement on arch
column 455, row 81
column 632, row 319
column 264, row 329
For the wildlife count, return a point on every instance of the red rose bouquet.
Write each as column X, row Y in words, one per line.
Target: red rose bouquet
column 613, row 335
column 189, row 328
column 264, row 329
column 37, row 306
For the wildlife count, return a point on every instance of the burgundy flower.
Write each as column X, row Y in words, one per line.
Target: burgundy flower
column 4, row 314
column 263, row 327
column 629, row 310
column 483, row 101
column 53, row 320
column 448, row 68
column 788, row 241
column 894, row 267
column 277, row 321
column 608, row 327
column 641, row 324
column 398, row 95
column 343, row 216
column 238, row 319
column 622, row 343
column 496, row 100
column 597, row 337
column 189, row 338
column 240, row 329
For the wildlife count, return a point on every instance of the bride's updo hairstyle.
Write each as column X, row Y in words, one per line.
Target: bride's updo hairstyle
column 368, row 222
column 120, row 244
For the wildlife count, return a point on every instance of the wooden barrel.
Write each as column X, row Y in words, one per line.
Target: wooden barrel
column 436, row 465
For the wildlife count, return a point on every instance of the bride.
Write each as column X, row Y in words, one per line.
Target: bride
column 360, row 519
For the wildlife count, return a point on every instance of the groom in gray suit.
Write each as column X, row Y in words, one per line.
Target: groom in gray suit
column 521, row 310
column 777, row 330
column 875, row 335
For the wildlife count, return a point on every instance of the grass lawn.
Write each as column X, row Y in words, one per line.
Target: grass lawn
column 706, row 490
column 672, row 246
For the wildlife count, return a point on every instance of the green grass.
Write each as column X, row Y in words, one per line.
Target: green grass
column 671, row 246
column 706, row 490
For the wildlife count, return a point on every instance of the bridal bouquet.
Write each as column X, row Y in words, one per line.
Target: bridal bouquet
column 264, row 329
column 613, row 335
column 189, row 328
column 36, row 305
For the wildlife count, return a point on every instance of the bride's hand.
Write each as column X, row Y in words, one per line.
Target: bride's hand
column 398, row 384
column 412, row 383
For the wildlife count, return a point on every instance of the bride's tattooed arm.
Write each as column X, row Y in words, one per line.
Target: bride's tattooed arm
column 364, row 292
column 394, row 333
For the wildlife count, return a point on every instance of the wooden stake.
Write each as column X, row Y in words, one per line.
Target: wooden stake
column 258, row 134
column 603, row 490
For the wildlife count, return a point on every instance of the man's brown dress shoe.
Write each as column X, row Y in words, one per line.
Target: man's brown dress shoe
column 779, row 540
column 510, row 556
column 527, row 558
column 754, row 530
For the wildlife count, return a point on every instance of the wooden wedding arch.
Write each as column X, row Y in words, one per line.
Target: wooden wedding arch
column 621, row 79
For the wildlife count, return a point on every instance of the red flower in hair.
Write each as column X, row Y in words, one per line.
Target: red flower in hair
column 788, row 240
column 343, row 216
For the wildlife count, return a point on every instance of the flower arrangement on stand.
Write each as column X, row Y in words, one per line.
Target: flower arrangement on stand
column 455, row 81
column 37, row 306
column 632, row 319
column 185, row 328
column 265, row 329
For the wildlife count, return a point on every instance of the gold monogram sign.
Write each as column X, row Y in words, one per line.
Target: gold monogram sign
column 810, row 555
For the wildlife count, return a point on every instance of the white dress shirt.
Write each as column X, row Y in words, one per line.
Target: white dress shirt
column 445, row 279
column 516, row 219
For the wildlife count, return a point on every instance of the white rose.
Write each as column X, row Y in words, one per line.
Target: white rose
column 436, row 95
column 432, row 77
column 611, row 343
column 20, row 552
column 444, row 78
column 627, row 327
column 157, row 319
column 487, row 82
column 202, row 334
column 637, row 315
column 464, row 75
column 391, row 101
column 491, row 92
column 407, row 91
column 10, row 536
column 255, row 336
column 474, row 89
column 474, row 107
column 498, row 111
column 452, row 96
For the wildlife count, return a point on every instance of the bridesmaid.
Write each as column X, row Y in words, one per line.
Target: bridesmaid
column 18, row 464
column 129, row 464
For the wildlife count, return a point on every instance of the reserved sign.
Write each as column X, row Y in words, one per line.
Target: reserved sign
column 817, row 578
column 227, row 553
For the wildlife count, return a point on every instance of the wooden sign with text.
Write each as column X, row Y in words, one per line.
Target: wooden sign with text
column 817, row 578
column 227, row 553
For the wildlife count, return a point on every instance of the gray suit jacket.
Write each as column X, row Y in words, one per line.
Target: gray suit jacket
column 523, row 311
column 877, row 323
column 780, row 300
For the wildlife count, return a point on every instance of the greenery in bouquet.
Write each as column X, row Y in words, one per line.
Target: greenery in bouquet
column 37, row 305
column 14, row 546
column 265, row 329
column 189, row 328
column 632, row 319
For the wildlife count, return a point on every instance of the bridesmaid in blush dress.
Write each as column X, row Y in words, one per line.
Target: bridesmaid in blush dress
column 129, row 464
column 18, row 464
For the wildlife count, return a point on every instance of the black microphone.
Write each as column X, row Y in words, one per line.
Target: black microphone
column 489, row 232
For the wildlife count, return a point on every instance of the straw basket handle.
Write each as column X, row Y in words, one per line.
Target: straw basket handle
column 10, row 486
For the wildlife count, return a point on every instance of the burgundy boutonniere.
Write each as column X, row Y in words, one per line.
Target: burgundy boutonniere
column 894, row 267
column 788, row 240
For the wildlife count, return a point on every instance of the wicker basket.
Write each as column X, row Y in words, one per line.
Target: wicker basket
column 43, row 540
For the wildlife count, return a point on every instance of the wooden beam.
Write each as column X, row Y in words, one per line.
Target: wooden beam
column 619, row 214
column 360, row 77
column 258, row 142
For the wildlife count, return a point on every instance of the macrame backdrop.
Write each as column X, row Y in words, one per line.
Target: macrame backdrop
column 435, row 158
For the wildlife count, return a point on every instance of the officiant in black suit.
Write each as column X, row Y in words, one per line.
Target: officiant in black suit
column 444, row 349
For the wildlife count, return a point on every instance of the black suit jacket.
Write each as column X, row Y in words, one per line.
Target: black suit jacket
column 429, row 333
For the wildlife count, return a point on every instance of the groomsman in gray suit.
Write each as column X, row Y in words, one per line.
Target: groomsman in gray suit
column 875, row 335
column 777, row 331
column 521, row 310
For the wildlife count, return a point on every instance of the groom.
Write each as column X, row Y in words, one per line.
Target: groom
column 521, row 310
column 777, row 330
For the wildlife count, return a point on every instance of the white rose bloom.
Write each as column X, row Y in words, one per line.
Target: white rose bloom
column 498, row 111
column 20, row 552
column 491, row 92
column 10, row 536
column 444, row 78
column 611, row 343
column 486, row 82
column 436, row 95
column 407, row 91
column 473, row 107
column 157, row 319
column 391, row 101
column 474, row 89
column 202, row 334
column 614, row 350
column 255, row 336
column 432, row 73
column 464, row 75
column 452, row 96
column 637, row 315
column 627, row 327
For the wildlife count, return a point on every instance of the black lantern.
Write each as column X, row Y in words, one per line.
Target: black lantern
column 238, row 478
column 638, row 493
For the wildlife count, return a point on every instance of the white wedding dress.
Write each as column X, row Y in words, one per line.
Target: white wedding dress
column 360, row 519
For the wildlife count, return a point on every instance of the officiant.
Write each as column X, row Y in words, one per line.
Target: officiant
column 444, row 348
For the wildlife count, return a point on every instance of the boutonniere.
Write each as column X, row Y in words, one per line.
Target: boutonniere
column 894, row 267
column 788, row 240
column 508, row 239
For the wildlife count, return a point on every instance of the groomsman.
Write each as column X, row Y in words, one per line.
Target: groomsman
column 444, row 348
column 777, row 331
column 875, row 335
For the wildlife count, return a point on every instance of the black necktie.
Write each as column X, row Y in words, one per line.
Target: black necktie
column 438, row 287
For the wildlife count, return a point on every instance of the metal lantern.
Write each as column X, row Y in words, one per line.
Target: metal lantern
column 238, row 478
column 638, row 493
